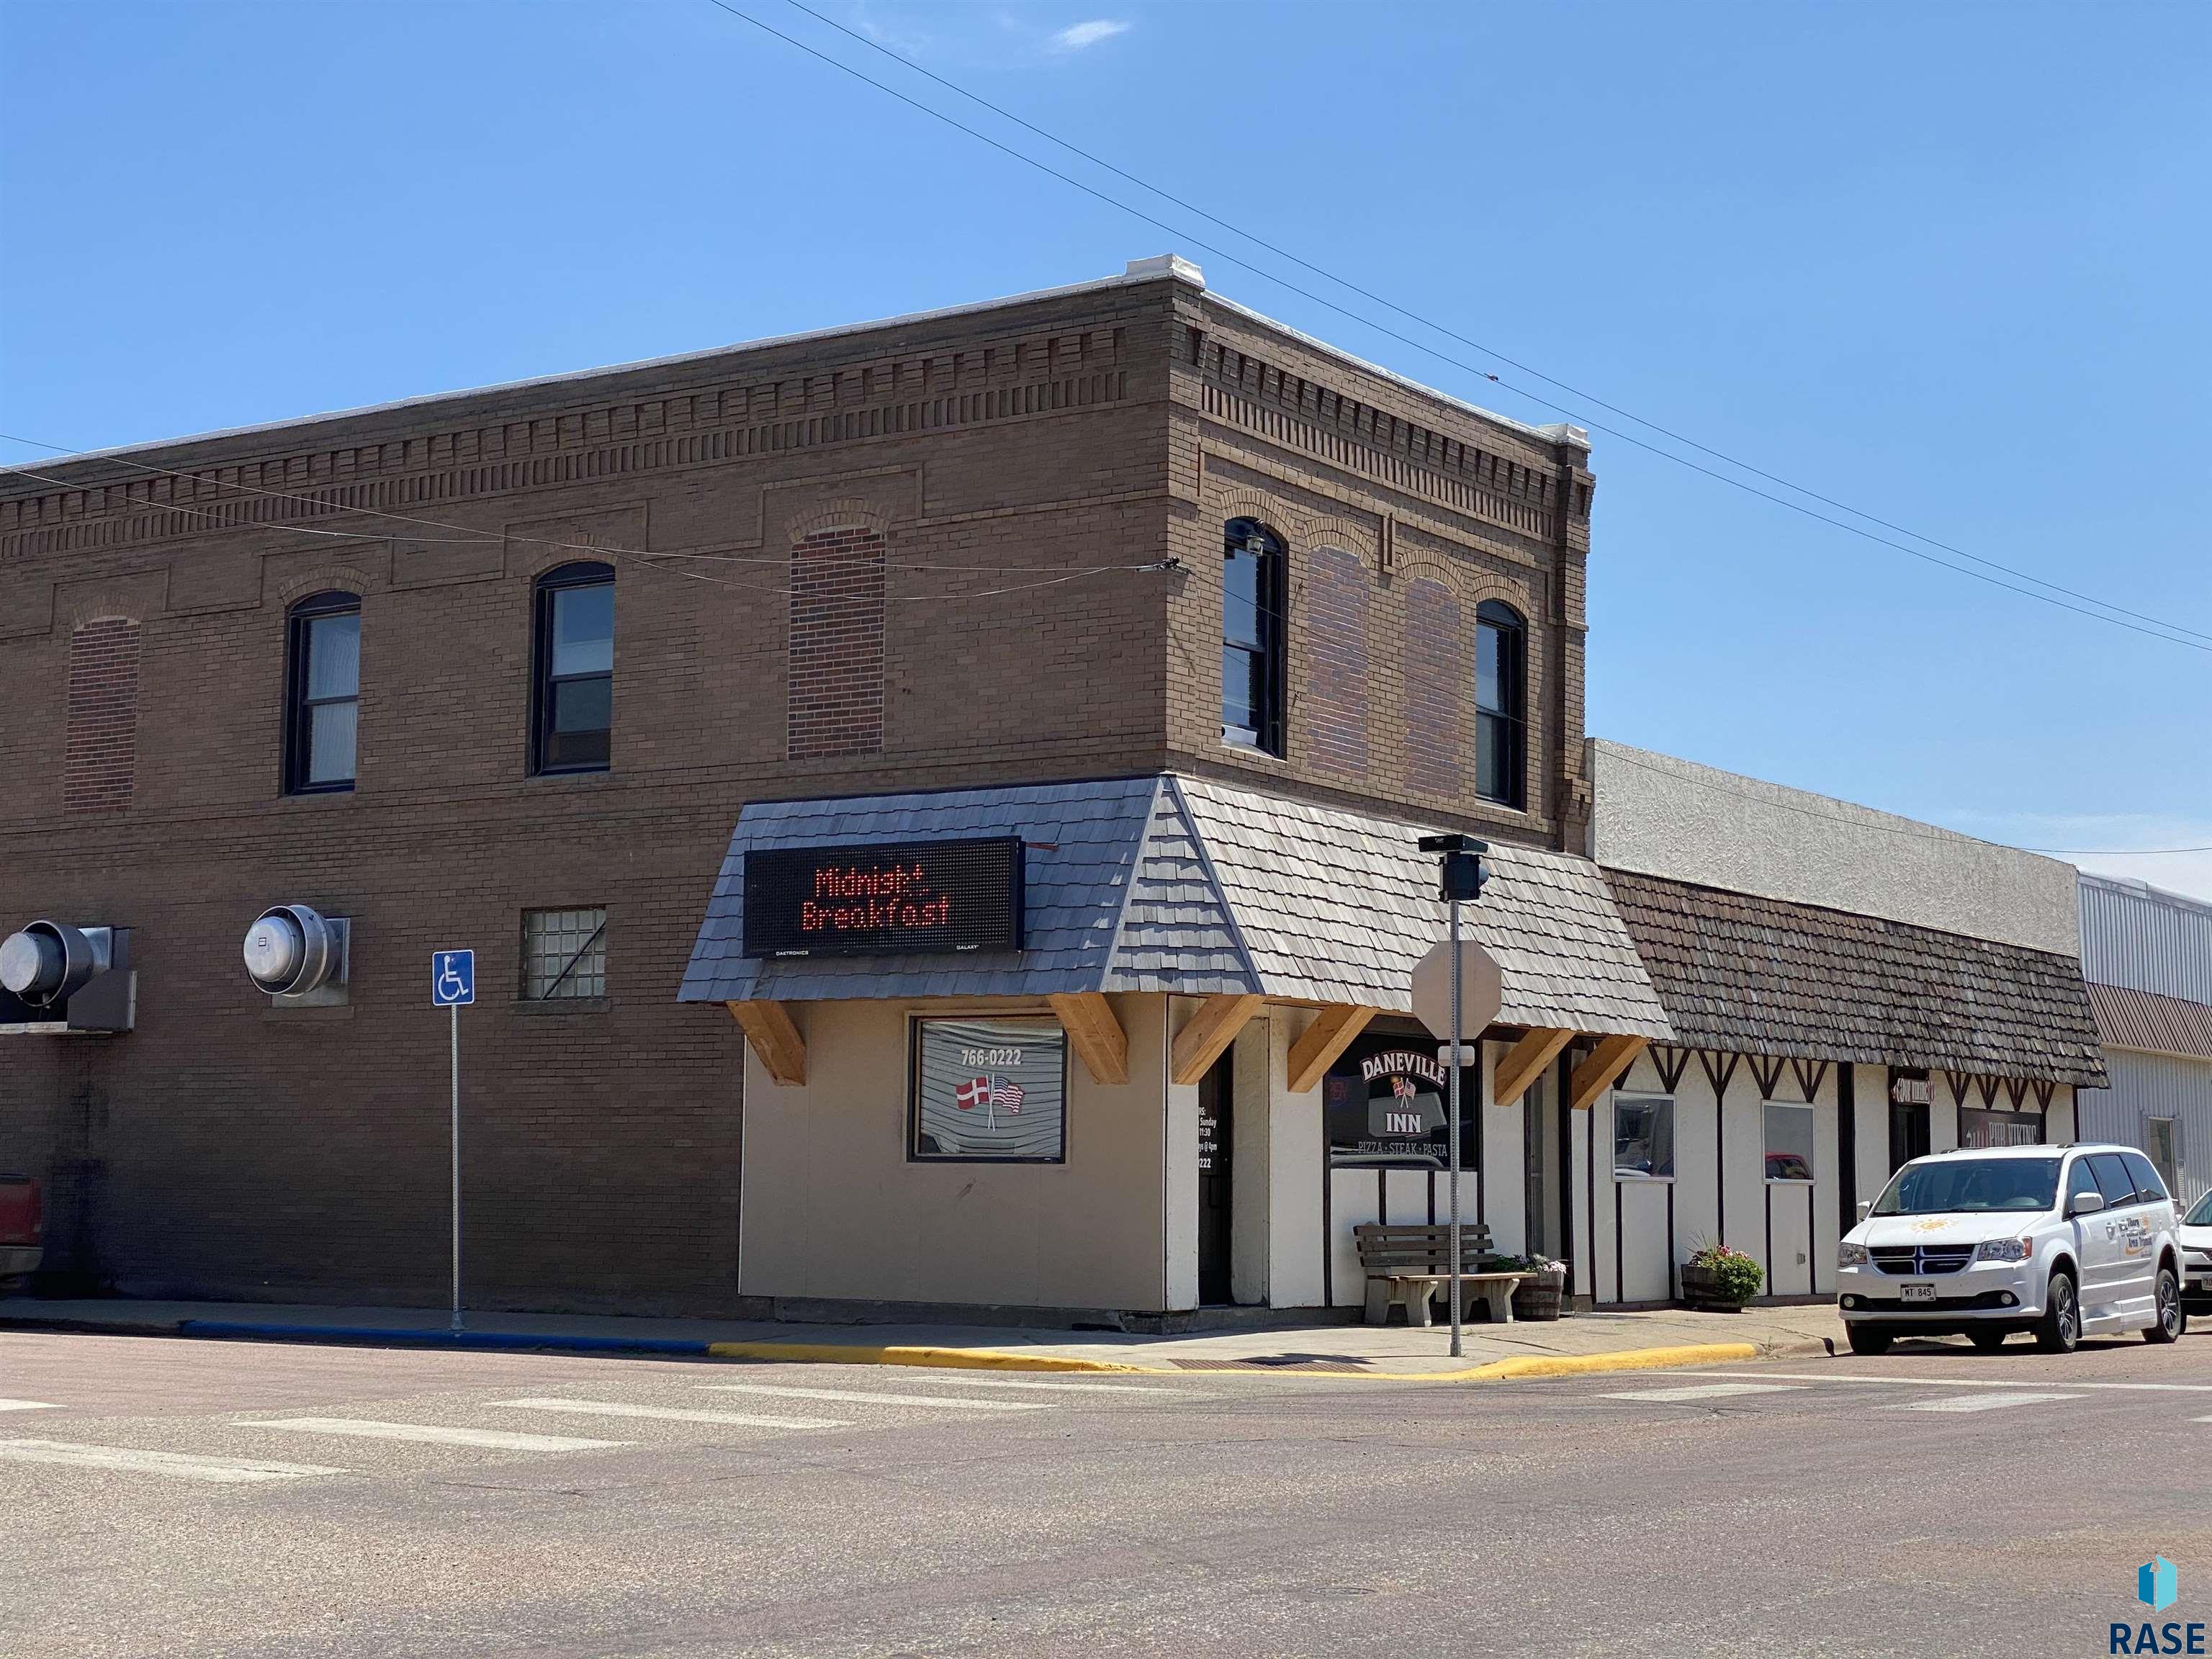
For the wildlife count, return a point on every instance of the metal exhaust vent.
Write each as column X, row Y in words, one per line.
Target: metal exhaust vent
column 58, row 977
column 299, row 956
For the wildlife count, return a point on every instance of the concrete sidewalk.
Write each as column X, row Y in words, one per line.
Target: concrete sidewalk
column 1606, row 1341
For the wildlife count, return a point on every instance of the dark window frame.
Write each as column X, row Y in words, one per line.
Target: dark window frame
column 1269, row 642
column 299, row 709
column 1504, row 729
column 545, row 594
column 2110, row 1168
column 915, row 1024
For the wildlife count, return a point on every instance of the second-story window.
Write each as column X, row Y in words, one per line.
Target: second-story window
column 1501, row 692
column 1252, row 608
column 322, row 699
column 572, row 679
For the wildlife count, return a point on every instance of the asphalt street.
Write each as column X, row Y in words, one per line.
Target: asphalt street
column 172, row 1497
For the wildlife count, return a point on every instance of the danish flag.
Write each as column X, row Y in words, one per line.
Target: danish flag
column 988, row 1092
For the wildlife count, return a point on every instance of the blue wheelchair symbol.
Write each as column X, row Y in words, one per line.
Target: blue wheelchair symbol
column 453, row 978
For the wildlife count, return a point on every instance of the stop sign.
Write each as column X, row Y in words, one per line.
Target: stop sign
column 1481, row 990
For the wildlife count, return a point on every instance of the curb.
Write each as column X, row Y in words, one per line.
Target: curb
column 688, row 1347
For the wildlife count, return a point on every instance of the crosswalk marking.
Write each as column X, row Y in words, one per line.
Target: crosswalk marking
column 434, row 1434
column 180, row 1465
column 1707, row 1391
column 27, row 1405
column 1906, row 1380
column 673, row 1414
column 1071, row 1386
column 865, row 1398
column 1980, row 1402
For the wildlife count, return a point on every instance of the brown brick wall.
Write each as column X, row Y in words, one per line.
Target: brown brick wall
column 101, row 757
column 835, row 669
column 1332, row 709
column 1435, row 680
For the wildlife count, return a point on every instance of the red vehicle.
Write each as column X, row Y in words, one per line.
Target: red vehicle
column 23, row 1230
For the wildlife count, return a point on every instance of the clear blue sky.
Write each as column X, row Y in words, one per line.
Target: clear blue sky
column 1947, row 262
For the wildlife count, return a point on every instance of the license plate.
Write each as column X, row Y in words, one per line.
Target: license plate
column 1919, row 1293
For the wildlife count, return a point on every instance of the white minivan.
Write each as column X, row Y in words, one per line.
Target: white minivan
column 2062, row 1241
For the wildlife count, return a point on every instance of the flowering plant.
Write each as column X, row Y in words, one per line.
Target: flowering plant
column 1737, row 1275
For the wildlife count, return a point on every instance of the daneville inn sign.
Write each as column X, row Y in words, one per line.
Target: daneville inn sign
column 945, row 896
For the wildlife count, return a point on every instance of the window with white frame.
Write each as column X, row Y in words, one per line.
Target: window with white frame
column 1788, row 1141
column 564, row 955
column 1642, row 1138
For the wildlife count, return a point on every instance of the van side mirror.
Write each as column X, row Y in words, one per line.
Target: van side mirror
column 1866, row 1208
column 2085, row 1204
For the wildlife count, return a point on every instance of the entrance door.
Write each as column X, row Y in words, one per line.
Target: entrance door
column 1216, row 1134
column 1908, row 1133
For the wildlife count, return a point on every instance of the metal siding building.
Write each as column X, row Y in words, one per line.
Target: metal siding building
column 2157, row 948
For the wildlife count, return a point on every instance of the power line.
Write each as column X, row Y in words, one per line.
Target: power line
column 2172, row 633
column 1347, row 283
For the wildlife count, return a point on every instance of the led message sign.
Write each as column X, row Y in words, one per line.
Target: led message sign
column 933, row 895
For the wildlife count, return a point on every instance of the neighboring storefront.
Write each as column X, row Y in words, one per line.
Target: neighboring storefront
column 1848, row 990
column 2147, row 954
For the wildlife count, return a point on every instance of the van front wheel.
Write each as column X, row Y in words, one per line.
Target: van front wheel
column 1867, row 1339
column 2061, row 1329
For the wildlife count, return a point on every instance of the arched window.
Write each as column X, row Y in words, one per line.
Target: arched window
column 1501, row 704
column 572, row 712
column 1252, row 606
column 322, row 693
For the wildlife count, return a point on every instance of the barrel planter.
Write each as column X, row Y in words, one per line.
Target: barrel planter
column 1702, row 1288
column 1539, row 1296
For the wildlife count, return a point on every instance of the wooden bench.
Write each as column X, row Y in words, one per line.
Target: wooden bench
column 1408, row 1266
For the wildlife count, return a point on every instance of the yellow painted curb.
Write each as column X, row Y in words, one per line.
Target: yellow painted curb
column 1620, row 1359
column 972, row 1359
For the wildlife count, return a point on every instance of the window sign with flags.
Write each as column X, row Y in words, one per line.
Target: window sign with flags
column 990, row 1089
column 1382, row 1106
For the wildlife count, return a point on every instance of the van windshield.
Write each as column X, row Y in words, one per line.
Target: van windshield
column 1972, row 1185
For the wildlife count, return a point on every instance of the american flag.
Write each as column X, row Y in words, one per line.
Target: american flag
column 991, row 1091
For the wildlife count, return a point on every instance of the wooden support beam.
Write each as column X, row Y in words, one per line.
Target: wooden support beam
column 1321, row 1042
column 1209, row 1031
column 1096, row 1035
column 768, row 1029
column 1613, row 1056
column 1524, row 1062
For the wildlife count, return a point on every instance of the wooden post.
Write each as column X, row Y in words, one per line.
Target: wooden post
column 1208, row 1032
column 1524, row 1062
column 775, row 1038
column 1096, row 1035
column 1320, row 1043
column 1614, row 1055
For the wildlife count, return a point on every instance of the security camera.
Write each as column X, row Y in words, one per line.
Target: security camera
column 49, row 962
column 297, row 954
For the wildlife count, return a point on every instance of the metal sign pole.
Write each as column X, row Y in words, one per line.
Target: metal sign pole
column 1454, row 1137
column 456, row 1012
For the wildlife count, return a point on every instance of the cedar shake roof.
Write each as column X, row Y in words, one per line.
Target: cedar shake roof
column 2128, row 1018
column 1184, row 884
column 1746, row 974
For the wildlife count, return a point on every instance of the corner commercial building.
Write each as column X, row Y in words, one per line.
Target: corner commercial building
column 1163, row 623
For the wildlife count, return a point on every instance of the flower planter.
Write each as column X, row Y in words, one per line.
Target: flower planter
column 1540, row 1297
column 1702, row 1288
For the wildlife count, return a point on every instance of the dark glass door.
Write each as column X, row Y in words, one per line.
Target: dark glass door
column 1215, row 1131
column 1908, row 1133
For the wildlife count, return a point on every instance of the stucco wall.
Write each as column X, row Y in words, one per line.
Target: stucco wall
column 834, row 1209
column 1666, row 817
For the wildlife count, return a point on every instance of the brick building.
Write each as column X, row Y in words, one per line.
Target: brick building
column 934, row 805
column 320, row 662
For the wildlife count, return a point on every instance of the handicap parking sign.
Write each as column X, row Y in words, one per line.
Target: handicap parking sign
column 453, row 978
